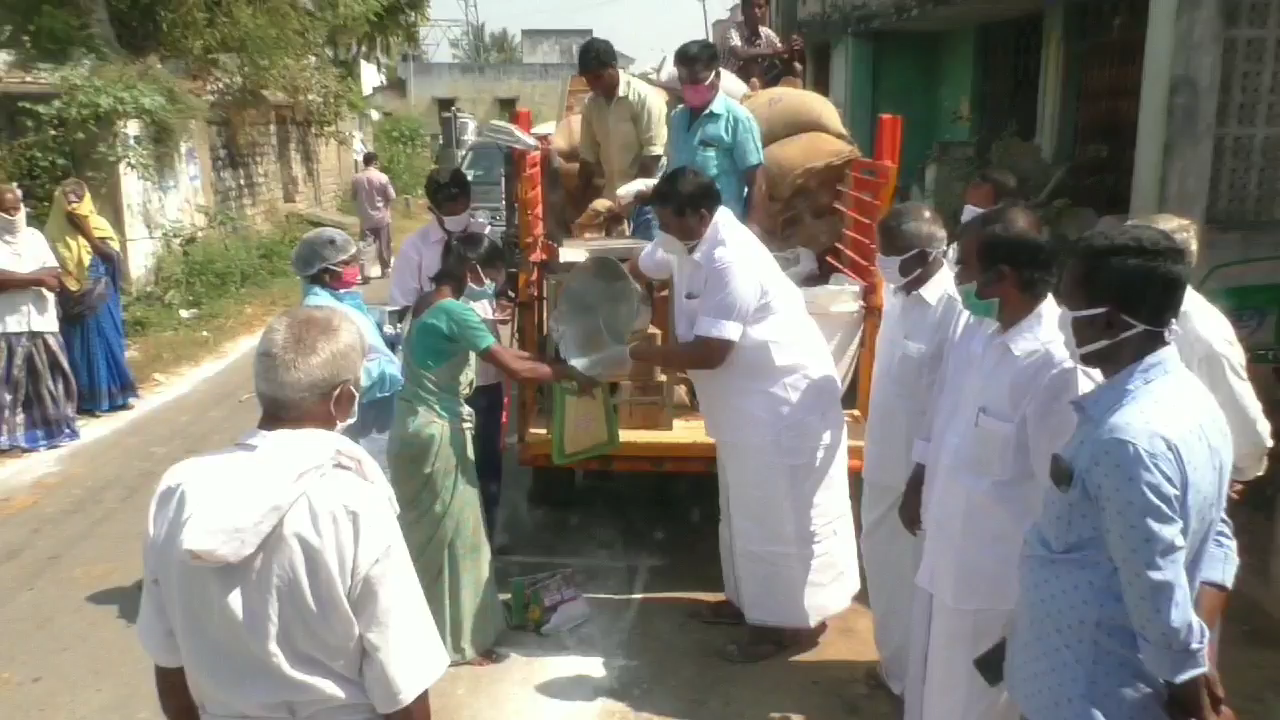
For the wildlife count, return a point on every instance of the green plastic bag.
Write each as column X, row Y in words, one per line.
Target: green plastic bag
column 573, row 416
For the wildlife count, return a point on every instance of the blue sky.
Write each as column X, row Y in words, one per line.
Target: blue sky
column 636, row 27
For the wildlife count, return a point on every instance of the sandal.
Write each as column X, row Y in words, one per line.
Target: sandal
column 754, row 651
column 484, row 659
column 721, row 612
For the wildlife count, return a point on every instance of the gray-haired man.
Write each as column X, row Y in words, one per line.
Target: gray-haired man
column 276, row 580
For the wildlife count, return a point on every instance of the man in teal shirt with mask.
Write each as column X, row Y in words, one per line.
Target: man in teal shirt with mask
column 712, row 132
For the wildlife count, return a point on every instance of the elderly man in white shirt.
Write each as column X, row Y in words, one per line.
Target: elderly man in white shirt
column 769, row 392
column 1005, row 409
column 922, row 317
column 276, row 581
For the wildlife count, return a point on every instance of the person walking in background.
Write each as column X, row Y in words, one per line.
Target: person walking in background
column 276, row 582
column 754, row 52
column 372, row 192
column 432, row 465
column 624, row 129
column 38, row 402
column 713, row 132
column 1106, row 625
column 922, row 317
column 88, row 253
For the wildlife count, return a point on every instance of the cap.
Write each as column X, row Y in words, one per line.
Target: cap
column 321, row 247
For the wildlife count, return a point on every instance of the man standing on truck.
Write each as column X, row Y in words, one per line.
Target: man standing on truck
column 922, row 316
column 768, row 390
column 624, row 128
column 753, row 51
column 372, row 192
column 713, row 132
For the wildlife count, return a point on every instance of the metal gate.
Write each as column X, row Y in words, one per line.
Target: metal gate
column 1105, row 44
column 1009, row 76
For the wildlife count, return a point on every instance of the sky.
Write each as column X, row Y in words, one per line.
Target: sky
column 635, row 27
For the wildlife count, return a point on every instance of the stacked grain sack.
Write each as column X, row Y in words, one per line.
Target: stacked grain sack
column 807, row 152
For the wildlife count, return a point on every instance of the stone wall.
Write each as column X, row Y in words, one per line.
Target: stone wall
column 485, row 89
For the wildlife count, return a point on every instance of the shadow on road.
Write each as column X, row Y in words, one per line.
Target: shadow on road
column 126, row 599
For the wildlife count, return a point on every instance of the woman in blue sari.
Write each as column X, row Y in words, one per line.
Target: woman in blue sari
column 92, row 319
column 326, row 260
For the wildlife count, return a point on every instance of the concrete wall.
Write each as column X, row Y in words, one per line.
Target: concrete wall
column 552, row 46
column 478, row 89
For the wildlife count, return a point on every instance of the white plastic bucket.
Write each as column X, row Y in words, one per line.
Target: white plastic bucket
column 839, row 312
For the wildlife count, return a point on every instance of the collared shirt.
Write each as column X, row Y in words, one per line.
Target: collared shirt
column 779, row 380
column 738, row 36
column 1110, row 570
column 1007, row 411
column 381, row 374
column 27, row 309
column 915, row 331
column 419, row 260
column 723, row 142
column 1210, row 347
column 275, row 574
column 618, row 133
column 372, row 192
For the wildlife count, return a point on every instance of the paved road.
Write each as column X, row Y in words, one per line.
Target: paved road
column 644, row 551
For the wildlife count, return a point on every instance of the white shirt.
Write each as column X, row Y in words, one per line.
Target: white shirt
column 487, row 309
column 1006, row 408
column 276, row 576
column 1210, row 348
column 915, row 331
column 779, row 380
column 419, row 260
column 28, row 309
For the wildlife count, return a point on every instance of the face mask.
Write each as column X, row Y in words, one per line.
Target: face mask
column 699, row 96
column 455, row 223
column 481, row 293
column 344, row 425
column 891, row 267
column 13, row 225
column 976, row 306
column 1078, row 353
column 350, row 277
column 970, row 212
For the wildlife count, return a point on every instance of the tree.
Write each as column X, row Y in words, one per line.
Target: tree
column 481, row 46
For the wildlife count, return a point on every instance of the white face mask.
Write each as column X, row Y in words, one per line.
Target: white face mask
column 13, row 225
column 456, row 223
column 1078, row 353
column 970, row 212
column 344, row 425
column 891, row 267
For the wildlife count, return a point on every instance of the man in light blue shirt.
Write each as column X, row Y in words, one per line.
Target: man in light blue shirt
column 711, row 132
column 1106, row 625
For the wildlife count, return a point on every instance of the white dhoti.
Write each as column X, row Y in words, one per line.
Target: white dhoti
column 788, row 549
column 891, row 556
column 942, row 683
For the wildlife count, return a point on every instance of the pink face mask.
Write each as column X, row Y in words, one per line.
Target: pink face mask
column 698, row 96
column 349, row 279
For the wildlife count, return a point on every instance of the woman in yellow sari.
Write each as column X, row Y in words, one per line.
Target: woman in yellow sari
column 88, row 253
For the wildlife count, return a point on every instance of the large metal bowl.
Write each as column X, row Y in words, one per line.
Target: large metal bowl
column 598, row 309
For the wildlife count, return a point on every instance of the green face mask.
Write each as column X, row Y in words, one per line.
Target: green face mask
column 976, row 306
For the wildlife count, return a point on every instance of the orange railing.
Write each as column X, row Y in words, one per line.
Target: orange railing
column 864, row 199
column 535, row 251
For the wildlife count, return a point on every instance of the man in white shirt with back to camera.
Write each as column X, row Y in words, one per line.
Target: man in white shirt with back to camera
column 276, row 581
column 1005, row 409
column 922, row 316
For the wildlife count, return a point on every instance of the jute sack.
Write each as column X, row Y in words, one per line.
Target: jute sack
column 813, row 159
column 567, row 136
column 783, row 112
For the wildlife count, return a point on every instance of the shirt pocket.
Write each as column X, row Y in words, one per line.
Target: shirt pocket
column 993, row 443
column 910, row 369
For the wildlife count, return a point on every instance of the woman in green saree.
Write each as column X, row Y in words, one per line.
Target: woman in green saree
column 432, row 465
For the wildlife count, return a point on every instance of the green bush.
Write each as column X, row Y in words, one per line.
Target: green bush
column 404, row 150
column 208, row 274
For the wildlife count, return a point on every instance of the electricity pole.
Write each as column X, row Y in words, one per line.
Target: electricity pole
column 706, row 20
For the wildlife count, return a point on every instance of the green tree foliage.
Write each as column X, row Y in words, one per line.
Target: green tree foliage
column 404, row 151
column 485, row 47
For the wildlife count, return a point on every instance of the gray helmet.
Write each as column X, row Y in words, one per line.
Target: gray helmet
column 319, row 248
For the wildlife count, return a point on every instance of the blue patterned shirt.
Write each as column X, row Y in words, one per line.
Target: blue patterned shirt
column 1110, row 570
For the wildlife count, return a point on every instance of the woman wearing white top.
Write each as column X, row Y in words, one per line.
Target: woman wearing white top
column 38, row 402
column 769, row 392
